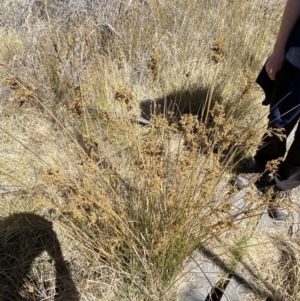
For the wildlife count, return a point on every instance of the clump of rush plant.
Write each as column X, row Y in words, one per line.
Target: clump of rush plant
column 135, row 212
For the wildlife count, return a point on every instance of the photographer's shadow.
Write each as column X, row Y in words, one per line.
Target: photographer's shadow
column 23, row 237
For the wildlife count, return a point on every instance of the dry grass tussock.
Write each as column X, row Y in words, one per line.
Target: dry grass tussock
column 270, row 251
column 130, row 204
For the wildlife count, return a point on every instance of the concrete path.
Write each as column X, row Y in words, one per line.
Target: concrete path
column 208, row 269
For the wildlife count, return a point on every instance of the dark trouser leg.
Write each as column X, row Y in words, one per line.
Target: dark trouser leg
column 288, row 175
column 272, row 147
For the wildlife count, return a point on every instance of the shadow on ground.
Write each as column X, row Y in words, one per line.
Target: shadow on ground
column 196, row 101
column 265, row 289
column 23, row 237
column 187, row 101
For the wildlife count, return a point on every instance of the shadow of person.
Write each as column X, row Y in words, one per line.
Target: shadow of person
column 23, row 237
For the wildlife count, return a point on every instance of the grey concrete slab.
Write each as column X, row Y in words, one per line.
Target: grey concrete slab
column 236, row 289
column 238, row 203
column 295, row 227
column 202, row 275
column 268, row 223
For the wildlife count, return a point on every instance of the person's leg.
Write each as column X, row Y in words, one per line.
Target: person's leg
column 272, row 147
column 288, row 174
column 286, row 178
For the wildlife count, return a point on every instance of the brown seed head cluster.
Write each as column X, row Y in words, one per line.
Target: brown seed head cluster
column 21, row 93
column 280, row 133
column 77, row 105
column 121, row 61
column 153, row 64
column 54, row 175
column 218, row 51
column 124, row 95
column 249, row 85
column 11, row 82
column 272, row 165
